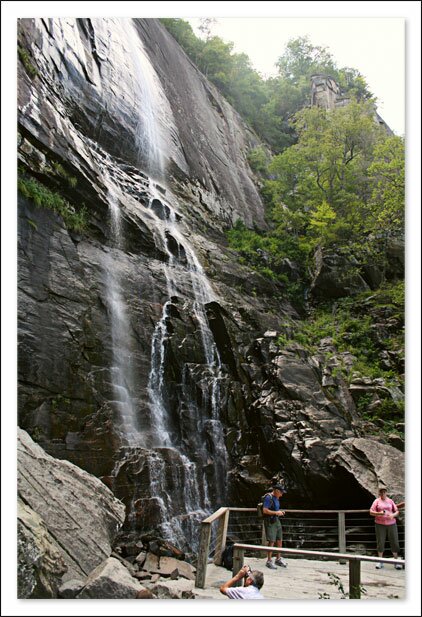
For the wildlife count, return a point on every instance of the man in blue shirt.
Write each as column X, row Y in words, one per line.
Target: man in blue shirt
column 272, row 513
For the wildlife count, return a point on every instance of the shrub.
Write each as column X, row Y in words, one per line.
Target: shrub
column 25, row 59
column 43, row 197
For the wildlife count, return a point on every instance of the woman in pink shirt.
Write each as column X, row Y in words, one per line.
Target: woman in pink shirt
column 385, row 512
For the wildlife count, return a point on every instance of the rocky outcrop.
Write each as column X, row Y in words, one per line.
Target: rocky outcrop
column 104, row 78
column 301, row 409
column 110, row 581
column 40, row 562
column 78, row 512
column 70, row 589
column 336, row 275
column 373, row 465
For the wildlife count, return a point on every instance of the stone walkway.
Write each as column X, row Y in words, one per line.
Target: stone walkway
column 306, row 579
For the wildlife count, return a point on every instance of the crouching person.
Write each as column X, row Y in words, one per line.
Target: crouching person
column 253, row 581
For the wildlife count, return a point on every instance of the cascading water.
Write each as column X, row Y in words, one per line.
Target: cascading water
column 183, row 264
column 155, row 452
column 121, row 370
column 147, row 86
column 156, row 135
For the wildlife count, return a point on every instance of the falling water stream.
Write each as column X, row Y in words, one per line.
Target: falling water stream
column 122, row 372
column 169, row 462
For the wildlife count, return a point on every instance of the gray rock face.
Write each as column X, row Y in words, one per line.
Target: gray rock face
column 79, row 512
column 373, row 464
column 40, row 562
column 123, row 82
column 110, row 581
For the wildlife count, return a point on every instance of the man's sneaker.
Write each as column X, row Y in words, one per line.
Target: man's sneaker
column 280, row 562
column 379, row 566
column 398, row 566
column 270, row 565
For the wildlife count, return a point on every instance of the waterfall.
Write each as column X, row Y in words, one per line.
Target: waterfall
column 156, row 382
column 121, row 371
column 151, row 97
column 195, row 467
column 183, row 266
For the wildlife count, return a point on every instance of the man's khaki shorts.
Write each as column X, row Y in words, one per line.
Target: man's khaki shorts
column 273, row 530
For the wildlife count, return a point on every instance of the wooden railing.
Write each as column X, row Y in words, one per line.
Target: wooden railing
column 217, row 525
column 354, row 562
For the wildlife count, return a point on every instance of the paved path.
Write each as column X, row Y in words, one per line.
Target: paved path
column 306, row 579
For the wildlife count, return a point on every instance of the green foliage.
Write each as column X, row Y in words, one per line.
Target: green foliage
column 60, row 171
column 43, row 197
column 265, row 253
column 337, row 582
column 387, row 176
column 26, row 61
column 341, row 185
column 184, row 35
column 259, row 159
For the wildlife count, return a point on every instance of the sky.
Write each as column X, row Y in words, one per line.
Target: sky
column 359, row 45
column 374, row 46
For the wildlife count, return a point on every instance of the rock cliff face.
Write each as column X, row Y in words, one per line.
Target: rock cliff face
column 145, row 351
column 67, row 521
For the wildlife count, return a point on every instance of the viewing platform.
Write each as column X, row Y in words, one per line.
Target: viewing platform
column 331, row 554
column 306, row 579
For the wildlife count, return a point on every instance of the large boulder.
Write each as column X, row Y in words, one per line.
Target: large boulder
column 80, row 513
column 166, row 566
column 336, row 276
column 110, row 580
column 372, row 464
column 40, row 563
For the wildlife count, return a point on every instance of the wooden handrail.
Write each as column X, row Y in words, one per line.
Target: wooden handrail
column 366, row 511
column 215, row 515
column 333, row 556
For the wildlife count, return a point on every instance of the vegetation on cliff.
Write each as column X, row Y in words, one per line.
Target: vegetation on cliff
column 44, row 197
column 369, row 328
column 339, row 188
column 333, row 183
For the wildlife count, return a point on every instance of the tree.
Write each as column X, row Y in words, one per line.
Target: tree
column 387, row 177
column 206, row 23
column 339, row 184
column 184, row 35
column 301, row 59
column 330, row 160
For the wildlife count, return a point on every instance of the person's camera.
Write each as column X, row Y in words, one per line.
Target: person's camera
column 248, row 571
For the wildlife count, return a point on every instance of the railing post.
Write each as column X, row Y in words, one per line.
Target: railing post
column 204, row 545
column 238, row 558
column 341, row 534
column 354, row 579
column 221, row 536
column 263, row 539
